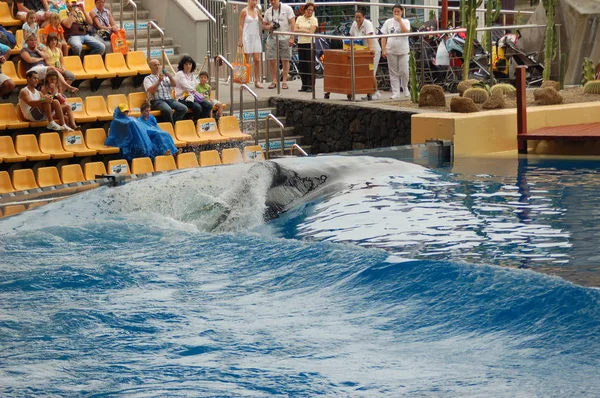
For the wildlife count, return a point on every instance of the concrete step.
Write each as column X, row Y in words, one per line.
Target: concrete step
column 142, row 42
column 128, row 15
column 273, row 134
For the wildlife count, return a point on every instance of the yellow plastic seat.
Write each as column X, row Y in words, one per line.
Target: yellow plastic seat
column 73, row 141
column 24, row 180
column 89, row 5
column 50, row 143
column 187, row 160
column 13, row 209
column 93, row 169
column 73, row 64
column 115, row 63
column 253, row 153
column 209, row 132
column 114, row 100
column 168, row 127
column 78, row 109
column 135, row 103
column 5, row 183
column 229, row 127
column 232, row 156
column 95, row 138
column 27, row 145
column 93, row 63
column 210, row 158
column 8, row 117
column 96, row 106
column 118, row 166
column 8, row 152
column 8, row 68
column 164, row 163
column 19, row 43
column 41, row 123
column 71, row 173
column 185, row 131
column 6, row 18
column 48, row 177
column 142, row 166
column 136, row 60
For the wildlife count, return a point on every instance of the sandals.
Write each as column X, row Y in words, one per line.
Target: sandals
column 272, row 86
column 284, row 86
column 258, row 85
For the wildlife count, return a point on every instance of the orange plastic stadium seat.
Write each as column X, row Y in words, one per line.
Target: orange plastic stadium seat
column 27, row 145
column 136, row 60
column 13, row 209
column 185, row 131
column 19, row 43
column 78, row 109
column 168, row 127
column 115, row 62
column 8, row 152
column 21, row 118
column 24, row 180
column 209, row 132
column 229, row 127
column 73, row 141
column 232, row 156
column 142, row 166
column 5, row 183
column 71, row 173
column 135, row 102
column 95, row 138
column 73, row 64
column 187, row 160
column 93, row 169
column 8, row 68
column 114, row 100
column 50, row 143
column 253, row 153
column 164, row 163
column 95, row 106
column 6, row 18
column 8, row 117
column 118, row 166
column 93, row 63
column 48, row 177
column 89, row 5
column 210, row 158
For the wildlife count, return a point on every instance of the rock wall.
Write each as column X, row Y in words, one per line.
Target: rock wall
column 328, row 127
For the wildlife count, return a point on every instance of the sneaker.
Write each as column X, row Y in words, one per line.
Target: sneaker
column 395, row 96
column 67, row 128
column 367, row 98
column 376, row 96
column 55, row 126
column 406, row 92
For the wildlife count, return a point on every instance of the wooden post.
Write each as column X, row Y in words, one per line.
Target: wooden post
column 444, row 15
column 521, row 107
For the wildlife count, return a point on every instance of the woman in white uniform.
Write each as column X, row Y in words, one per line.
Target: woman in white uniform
column 396, row 50
column 250, row 38
column 364, row 27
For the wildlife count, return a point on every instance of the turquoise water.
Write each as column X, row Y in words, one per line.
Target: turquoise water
column 382, row 279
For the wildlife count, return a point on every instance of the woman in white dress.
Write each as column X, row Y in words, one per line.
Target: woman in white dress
column 396, row 50
column 250, row 38
column 364, row 27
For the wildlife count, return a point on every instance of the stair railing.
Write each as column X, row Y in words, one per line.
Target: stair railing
column 299, row 149
column 152, row 24
column 230, row 67
column 212, row 41
column 281, row 127
column 242, row 88
column 135, row 24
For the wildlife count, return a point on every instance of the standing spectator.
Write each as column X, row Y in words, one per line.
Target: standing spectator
column 104, row 23
column 54, row 26
column 158, row 85
column 279, row 18
column 35, row 59
column 40, row 7
column 364, row 27
column 185, row 91
column 306, row 23
column 249, row 37
column 77, row 23
column 37, row 107
column 396, row 50
column 6, row 84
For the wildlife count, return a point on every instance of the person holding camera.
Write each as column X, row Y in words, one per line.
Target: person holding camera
column 77, row 23
column 158, row 86
column 279, row 18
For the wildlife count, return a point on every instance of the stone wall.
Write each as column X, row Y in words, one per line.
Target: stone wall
column 328, row 127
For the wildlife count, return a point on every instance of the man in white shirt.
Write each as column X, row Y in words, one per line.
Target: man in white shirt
column 279, row 18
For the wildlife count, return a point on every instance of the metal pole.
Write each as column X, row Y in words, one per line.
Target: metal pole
column 521, row 75
column 312, row 66
column 276, row 71
column 558, row 49
column 352, row 72
column 422, row 62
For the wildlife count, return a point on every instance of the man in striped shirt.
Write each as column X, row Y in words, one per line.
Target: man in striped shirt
column 158, row 86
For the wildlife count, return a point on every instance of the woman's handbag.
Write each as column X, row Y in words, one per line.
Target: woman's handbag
column 119, row 42
column 241, row 68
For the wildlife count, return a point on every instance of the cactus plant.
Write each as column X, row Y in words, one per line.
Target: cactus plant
column 588, row 72
column 477, row 94
column 414, row 85
column 491, row 14
column 592, row 87
column 550, row 37
column 470, row 23
column 504, row 88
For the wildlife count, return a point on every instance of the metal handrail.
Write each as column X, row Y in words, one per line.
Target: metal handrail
column 299, row 149
column 152, row 24
column 242, row 88
column 281, row 127
column 135, row 27
column 224, row 60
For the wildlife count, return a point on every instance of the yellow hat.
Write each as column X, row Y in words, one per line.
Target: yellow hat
column 124, row 108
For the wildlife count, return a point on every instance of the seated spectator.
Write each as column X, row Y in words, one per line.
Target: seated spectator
column 51, row 87
column 132, row 137
column 35, row 59
column 158, row 85
column 185, row 91
column 37, row 107
column 161, row 139
column 104, row 24
column 77, row 24
column 54, row 26
column 56, row 6
column 204, row 88
column 6, row 84
column 30, row 27
column 40, row 7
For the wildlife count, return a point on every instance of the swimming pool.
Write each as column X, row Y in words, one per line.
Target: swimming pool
column 382, row 279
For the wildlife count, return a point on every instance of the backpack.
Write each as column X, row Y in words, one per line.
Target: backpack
column 7, row 38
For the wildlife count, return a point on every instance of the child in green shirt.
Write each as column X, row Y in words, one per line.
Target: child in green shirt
column 204, row 88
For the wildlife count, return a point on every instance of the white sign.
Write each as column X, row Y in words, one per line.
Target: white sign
column 250, row 115
column 140, row 25
column 73, row 140
column 276, row 144
column 77, row 106
column 209, row 126
column 157, row 53
column 118, row 169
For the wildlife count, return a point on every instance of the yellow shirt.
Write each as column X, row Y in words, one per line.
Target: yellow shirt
column 54, row 57
column 304, row 23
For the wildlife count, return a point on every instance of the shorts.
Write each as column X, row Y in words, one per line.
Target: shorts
column 41, row 71
column 39, row 15
column 3, row 78
column 284, row 49
column 35, row 114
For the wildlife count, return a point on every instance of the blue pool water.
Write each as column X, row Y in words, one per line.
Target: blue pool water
column 382, row 279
